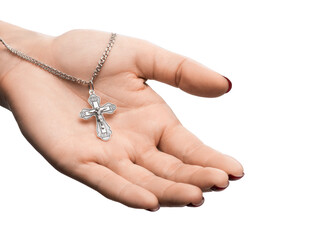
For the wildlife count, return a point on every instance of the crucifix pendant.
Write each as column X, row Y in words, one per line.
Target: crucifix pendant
column 103, row 129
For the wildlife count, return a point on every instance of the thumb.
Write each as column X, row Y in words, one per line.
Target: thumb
column 179, row 71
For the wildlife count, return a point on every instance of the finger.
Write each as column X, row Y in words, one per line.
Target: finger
column 182, row 144
column 172, row 168
column 115, row 187
column 179, row 71
column 169, row 193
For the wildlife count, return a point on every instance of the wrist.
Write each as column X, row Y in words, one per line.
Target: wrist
column 27, row 41
column 8, row 33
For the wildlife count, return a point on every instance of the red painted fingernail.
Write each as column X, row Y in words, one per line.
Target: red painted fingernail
column 234, row 178
column 196, row 205
column 218, row 189
column 154, row 209
column 230, row 84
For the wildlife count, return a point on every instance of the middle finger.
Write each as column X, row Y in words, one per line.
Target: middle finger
column 172, row 168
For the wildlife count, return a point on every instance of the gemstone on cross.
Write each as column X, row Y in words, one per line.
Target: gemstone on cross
column 103, row 129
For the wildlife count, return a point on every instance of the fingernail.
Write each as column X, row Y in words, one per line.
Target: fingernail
column 196, row 205
column 230, row 84
column 218, row 189
column 154, row 209
column 234, row 178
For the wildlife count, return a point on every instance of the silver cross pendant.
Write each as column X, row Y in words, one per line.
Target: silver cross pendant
column 103, row 129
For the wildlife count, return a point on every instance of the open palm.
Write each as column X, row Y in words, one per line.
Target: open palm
column 151, row 159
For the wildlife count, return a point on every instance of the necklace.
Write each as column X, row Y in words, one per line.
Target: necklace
column 103, row 129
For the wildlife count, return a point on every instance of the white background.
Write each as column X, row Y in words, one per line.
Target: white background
column 269, row 121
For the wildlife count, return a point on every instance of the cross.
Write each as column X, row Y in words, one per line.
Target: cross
column 103, row 129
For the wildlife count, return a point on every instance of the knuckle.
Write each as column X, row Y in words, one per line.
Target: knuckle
column 178, row 72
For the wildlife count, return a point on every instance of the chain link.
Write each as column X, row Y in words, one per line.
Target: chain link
column 62, row 74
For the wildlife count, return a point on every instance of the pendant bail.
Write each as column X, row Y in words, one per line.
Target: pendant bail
column 91, row 86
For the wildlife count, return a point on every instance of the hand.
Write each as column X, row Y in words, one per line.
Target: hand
column 151, row 158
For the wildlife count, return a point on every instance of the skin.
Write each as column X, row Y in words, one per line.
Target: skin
column 151, row 160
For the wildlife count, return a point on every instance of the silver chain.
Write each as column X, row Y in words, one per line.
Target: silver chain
column 62, row 74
